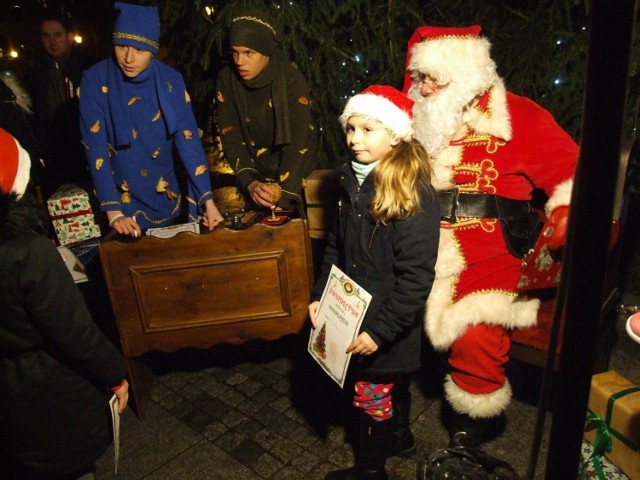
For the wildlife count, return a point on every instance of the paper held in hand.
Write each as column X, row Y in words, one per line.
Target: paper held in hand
column 115, row 419
column 339, row 316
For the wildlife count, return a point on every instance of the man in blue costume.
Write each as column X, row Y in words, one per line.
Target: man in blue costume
column 134, row 110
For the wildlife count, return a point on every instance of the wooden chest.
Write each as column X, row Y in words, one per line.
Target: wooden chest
column 199, row 290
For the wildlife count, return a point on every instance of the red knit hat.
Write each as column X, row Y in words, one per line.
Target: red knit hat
column 14, row 165
column 444, row 45
column 385, row 105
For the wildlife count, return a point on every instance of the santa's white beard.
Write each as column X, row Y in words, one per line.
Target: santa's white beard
column 437, row 118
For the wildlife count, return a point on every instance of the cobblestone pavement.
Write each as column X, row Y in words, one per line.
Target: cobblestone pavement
column 265, row 411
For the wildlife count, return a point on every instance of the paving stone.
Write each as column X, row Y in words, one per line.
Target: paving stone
column 250, row 387
column 266, row 465
column 236, row 378
column 265, row 396
column 231, row 397
column 215, row 408
column 288, row 473
column 249, row 407
column 214, row 430
column 170, row 401
column 248, row 427
column 233, row 417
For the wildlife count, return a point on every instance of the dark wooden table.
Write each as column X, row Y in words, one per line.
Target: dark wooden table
column 198, row 290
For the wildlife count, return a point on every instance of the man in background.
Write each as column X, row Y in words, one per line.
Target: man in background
column 55, row 81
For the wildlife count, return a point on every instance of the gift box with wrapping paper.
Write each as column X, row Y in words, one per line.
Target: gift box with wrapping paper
column 613, row 422
column 320, row 196
column 71, row 215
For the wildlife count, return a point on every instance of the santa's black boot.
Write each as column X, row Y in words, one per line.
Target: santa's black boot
column 403, row 444
column 465, row 431
column 373, row 450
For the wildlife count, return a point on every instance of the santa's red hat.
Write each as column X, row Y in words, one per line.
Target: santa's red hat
column 14, row 165
column 447, row 52
column 385, row 105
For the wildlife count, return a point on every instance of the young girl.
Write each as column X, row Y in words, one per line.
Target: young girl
column 385, row 237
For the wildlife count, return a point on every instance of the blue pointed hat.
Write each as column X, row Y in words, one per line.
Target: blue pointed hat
column 137, row 26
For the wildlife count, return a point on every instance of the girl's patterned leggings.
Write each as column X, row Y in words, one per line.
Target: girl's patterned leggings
column 374, row 399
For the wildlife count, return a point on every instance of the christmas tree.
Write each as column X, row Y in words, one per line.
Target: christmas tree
column 341, row 46
column 319, row 345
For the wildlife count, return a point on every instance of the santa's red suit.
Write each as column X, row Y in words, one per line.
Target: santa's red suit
column 508, row 146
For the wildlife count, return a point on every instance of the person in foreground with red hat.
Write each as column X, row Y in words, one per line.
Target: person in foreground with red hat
column 385, row 238
column 56, row 366
column 490, row 149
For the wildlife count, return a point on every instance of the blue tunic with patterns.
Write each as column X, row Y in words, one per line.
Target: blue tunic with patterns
column 129, row 129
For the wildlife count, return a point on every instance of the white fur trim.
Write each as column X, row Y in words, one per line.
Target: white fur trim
column 455, row 59
column 497, row 120
column 378, row 108
column 445, row 321
column 443, row 163
column 561, row 196
column 484, row 405
column 22, row 175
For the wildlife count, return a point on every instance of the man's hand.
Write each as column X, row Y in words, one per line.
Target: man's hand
column 261, row 194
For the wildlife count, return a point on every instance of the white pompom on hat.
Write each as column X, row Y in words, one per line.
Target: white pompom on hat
column 448, row 54
column 14, row 165
column 385, row 105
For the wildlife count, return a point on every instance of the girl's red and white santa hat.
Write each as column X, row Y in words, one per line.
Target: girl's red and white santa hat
column 448, row 54
column 14, row 165
column 384, row 104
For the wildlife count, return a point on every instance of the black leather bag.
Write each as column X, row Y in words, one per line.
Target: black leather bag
column 521, row 232
column 463, row 463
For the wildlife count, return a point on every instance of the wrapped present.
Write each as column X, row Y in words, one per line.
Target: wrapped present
column 541, row 266
column 613, row 422
column 320, row 196
column 595, row 466
column 71, row 215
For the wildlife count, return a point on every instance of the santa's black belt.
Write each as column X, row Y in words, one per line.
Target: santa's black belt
column 454, row 205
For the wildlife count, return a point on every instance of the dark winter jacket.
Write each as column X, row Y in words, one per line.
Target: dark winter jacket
column 57, row 126
column 56, row 367
column 394, row 263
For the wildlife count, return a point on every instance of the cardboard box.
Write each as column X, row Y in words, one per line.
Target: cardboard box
column 617, row 401
column 320, row 194
column 71, row 215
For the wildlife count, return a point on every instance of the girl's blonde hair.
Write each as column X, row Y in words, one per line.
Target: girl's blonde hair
column 399, row 178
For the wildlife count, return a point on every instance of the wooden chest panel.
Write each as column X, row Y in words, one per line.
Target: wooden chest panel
column 199, row 290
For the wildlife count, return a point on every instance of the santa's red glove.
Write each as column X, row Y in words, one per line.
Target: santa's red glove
column 556, row 229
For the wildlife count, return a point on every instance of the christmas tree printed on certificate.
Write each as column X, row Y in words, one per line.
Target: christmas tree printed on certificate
column 339, row 316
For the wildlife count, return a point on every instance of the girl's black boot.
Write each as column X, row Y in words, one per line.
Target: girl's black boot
column 373, row 451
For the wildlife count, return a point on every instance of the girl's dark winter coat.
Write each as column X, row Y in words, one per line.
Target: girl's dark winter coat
column 394, row 263
column 56, row 367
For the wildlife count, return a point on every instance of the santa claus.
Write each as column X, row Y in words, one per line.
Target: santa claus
column 490, row 150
